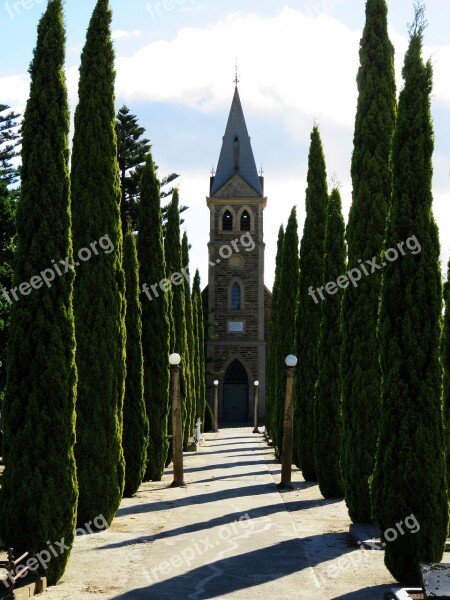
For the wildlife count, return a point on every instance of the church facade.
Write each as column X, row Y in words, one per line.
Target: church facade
column 236, row 301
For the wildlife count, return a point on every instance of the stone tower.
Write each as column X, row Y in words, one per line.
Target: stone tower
column 236, row 302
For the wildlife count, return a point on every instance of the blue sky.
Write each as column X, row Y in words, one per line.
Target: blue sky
column 298, row 63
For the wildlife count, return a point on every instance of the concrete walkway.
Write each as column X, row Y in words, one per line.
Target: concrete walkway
column 229, row 534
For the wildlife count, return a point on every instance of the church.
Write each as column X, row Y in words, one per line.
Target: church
column 236, row 301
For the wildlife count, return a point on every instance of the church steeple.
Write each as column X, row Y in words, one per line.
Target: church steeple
column 236, row 156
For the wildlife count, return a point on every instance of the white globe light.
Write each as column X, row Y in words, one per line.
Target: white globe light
column 174, row 359
column 291, row 361
column 216, row 382
column 256, row 383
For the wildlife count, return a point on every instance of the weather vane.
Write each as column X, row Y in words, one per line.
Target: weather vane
column 261, row 172
column 236, row 77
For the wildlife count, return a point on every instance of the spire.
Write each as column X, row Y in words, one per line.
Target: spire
column 236, row 156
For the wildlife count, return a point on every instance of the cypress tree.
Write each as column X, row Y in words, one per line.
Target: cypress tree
column 273, row 355
column 309, row 315
column 286, row 308
column 38, row 499
column 327, row 417
column 135, row 421
column 99, row 293
column 409, row 476
column 189, row 364
column 200, row 344
column 371, row 177
column 155, row 322
column 446, row 365
column 174, row 265
column 7, row 232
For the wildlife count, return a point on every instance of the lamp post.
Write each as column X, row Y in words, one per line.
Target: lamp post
column 177, row 427
column 288, row 426
column 216, row 405
column 255, row 408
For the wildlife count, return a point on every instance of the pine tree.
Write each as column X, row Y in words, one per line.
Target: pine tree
column 309, row 314
column 409, row 476
column 371, row 177
column 38, row 499
column 189, row 365
column 155, row 322
column 446, row 364
column 200, row 334
column 286, row 309
column 132, row 150
column 99, row 293
column 327, row 416
column 9, row 141
column 273, row 355
column 135, row 420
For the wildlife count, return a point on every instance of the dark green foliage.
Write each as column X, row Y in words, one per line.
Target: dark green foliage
column 135, row 421
column 409, row 476
column 132, row 150
column 9, row 141
column 38, row 500
column 155, row 322
column 7, row 232
column 189, row 364
column 286, row 308
column 200, row 345
column 99, row 292
column 446, row 365
column 309, row 312
column 178, row 334
column 371, row 177
column 327, row 416
column 273, row 401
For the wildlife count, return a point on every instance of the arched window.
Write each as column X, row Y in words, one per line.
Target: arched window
column 227, row 221
column 236, row 296
column 245, row 221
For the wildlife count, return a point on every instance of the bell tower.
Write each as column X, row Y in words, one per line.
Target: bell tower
column 236, row 301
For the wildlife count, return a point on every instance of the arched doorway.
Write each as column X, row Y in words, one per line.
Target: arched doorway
column 235, row 393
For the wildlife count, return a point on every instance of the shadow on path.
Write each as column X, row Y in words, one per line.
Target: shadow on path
column 224, row 576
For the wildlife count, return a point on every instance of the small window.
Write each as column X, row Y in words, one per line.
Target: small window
column 236, row 297
column 227, row 221
column 245, row 221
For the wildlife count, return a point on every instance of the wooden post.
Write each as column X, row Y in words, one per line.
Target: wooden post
column 255, row 409
column 288, row 434
column 177, row 427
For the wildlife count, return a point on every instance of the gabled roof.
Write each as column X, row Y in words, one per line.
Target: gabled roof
column 236, row 156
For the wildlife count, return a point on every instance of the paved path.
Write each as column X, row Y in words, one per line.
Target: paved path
column 231, row 536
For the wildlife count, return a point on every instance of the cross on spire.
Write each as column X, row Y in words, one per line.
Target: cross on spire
column 236, row 76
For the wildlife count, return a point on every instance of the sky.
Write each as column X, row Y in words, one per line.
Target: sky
column 298, row 60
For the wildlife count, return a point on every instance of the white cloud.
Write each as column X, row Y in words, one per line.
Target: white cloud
column 122, row 33
column 289, row 62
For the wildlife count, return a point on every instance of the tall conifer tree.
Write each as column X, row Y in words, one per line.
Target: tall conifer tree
column 309, row 312
column 99, row 293
column 327, row 417
column 38, row 500
column 286, row 308
column 189, row 365
column 272, row 407
column 201, row 382
column 371, row 177
column 446, row 364
column 409, row 476
column 172, row 244
column 155, row 322
column 135, row 420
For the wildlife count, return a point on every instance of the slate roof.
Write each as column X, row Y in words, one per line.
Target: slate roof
column 236, row 156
